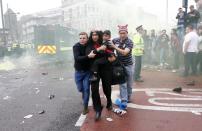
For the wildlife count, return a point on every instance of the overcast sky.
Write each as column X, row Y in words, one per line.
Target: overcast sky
column 153, row 6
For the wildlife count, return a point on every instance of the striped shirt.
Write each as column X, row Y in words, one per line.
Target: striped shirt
column 127, row 43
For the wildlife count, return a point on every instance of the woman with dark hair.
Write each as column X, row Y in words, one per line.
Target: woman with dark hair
column 175, row 46
column 96, row 36
column 104, row 73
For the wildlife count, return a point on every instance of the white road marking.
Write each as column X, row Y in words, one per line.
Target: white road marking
column 154, row 101
column 196, row 113
column 159, row 106
column 193, row 108
column 82, row 117
column 80, row 121
column 165, row 89
column 152, row 93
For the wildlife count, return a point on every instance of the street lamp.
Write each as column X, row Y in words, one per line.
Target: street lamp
column 3, row 26
column 185, row 5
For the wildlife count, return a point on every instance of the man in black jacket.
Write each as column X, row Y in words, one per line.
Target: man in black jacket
column 82, row 70
column 193, row 17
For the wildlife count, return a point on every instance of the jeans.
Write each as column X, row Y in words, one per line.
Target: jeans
column 176, row 59
column 138, row 66
column 83, row 85
column 194, row 25
column 126, row 88
column 162, row 55
column 190, row 61
column 181, row 32
column 199, row 61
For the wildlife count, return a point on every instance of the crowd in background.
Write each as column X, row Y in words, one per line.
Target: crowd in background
column 163, row 49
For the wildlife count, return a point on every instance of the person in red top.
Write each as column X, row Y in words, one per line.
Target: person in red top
column 104, row 60
column 175, row 46
column 103, row 73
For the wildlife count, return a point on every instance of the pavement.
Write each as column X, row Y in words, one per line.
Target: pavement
column 155, row 107
column 25, row 87
column 25, row 105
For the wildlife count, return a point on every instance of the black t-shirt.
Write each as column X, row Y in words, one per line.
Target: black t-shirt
column 81, row 60
column 163, row 41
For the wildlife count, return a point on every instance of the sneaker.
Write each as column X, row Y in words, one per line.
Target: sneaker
column 98, row 114
column 109, row 106
column 139, row 80
column 123, row 105
column 85, row 110
column 129, row 99
column 174, row 71
column 119, row 112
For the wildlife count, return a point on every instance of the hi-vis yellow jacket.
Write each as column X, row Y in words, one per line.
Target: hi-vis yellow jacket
column 138, row 49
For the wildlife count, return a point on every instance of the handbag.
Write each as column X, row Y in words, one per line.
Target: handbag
column 118, row 73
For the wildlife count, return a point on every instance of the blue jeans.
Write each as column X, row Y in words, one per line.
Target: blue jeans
column 126, row 88
column 162, row 55
column 194, row 25
column 83, row 85
column 181, row 33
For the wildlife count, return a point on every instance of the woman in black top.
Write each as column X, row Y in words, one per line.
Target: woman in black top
column 104, row 73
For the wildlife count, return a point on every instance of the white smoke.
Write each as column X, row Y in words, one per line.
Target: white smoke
column 23, row 62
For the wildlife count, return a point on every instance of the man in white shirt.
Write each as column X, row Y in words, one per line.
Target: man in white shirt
column 190, row 50
column 199, row 60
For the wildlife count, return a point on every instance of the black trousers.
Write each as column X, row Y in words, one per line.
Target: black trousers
column 138, row 67
column 199, row 61
column 105, row 77
column 190, row 60
column 98, row 63
column 176, row 59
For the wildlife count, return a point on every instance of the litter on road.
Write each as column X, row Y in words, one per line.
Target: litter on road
column 51, row 96
column 178, row 89
column 22, row 122
column 119, row 111
column 41, row 112
column 28, row 116
column 109, row 119
column 6, row 97
column 46, row 73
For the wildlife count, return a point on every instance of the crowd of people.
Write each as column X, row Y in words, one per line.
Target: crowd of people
column 119, row 61
column 97, row 57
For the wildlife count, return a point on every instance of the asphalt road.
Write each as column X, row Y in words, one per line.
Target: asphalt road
column 25, row 90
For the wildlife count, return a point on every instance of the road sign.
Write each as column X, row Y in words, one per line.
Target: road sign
column 46, row 49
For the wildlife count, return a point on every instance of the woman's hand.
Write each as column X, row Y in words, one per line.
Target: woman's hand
column 112, row 45
column 103, row 47
column 91, row 55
